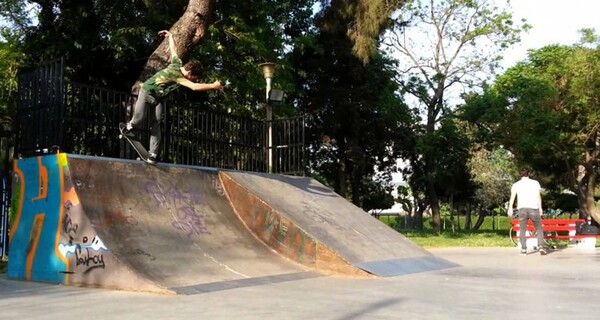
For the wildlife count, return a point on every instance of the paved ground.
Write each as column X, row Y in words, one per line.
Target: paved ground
column 493, row 283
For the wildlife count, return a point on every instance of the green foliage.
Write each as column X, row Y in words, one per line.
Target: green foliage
column 494, row 172
column 545, row 111
column 377, row 195
column 565, row 202
column 357, row 122
column 368, row 19
column 246, row 34
column 11, row 59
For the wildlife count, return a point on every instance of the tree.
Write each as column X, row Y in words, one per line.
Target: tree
column 494, row 172
column 446, row 44
column 187, row 33
column 11, row 59
column 549, row 118
column 367, row 19
column 378, row 195
column 354, row 112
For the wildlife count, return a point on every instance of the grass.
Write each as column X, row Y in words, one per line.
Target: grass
column 484, row 238
column 491, row 234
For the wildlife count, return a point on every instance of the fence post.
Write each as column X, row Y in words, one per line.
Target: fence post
column 4, row 196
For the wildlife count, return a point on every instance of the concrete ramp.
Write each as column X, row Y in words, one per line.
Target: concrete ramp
column 309, row 223
column 122, row 224
column 127, row 225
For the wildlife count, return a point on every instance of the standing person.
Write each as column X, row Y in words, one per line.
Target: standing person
column 529, row 206
column 156, row 88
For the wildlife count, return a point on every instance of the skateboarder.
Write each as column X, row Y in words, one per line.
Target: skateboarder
column 157, row 87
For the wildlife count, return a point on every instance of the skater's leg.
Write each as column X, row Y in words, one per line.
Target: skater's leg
column 155, row 134
column 142, row 103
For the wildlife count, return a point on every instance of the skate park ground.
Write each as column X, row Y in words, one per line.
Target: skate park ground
column 491, row 283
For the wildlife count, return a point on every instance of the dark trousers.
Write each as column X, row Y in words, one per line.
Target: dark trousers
column 147, row 104
column 524, row 215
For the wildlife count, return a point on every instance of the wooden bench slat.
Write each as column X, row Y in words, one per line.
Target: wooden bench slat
column 555, row 225
column 577, row 236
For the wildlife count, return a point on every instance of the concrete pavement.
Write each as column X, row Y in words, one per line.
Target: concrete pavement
column 492, row 283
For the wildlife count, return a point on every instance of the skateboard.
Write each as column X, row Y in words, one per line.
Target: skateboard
column 135, row 143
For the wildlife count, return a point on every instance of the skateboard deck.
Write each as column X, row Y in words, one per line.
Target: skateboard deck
column 134, row 142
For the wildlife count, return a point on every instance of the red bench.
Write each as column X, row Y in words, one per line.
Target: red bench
column 555, row 229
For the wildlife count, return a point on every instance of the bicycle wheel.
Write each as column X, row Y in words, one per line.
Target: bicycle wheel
column 513, row 235
column 551, row 242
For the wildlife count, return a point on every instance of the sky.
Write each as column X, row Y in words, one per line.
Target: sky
column 553, row 22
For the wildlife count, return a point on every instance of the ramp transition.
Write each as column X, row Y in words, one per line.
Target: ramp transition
column 122, row 224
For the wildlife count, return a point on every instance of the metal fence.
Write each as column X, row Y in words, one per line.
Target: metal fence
column 40, row 112
column 83, row 119
column 4, row 203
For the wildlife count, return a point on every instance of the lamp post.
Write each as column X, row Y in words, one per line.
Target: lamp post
column 268, row 69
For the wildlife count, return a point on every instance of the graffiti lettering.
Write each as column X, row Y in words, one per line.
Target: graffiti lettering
column 81, row 185
column 143, row 253
column 217, row 186
column 69, row 228
column 272, row 223
column 172, row 195
column 184, row 203
column 189, row 221
column 88, row 259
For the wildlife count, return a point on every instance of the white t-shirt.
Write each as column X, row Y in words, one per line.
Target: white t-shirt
column 527, row 191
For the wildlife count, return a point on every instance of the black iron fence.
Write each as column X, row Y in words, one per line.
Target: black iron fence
column 40, row 113
column 83, row 119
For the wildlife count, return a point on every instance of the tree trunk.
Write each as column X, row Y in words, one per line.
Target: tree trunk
column 592, row 176
column 341, row 185
column 468, row 218
column 358, row 169
column 434, row 202
column 187, row 33
column 418, row 219
column 435, row 209
column 480, row 219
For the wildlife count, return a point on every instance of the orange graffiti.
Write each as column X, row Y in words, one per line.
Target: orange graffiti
column 43, row 181
column 34, row 239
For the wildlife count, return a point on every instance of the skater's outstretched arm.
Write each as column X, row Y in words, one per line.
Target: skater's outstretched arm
column 168, row 35
column 200, row 86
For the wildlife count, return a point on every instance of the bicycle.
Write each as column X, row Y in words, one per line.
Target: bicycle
column 550, row 240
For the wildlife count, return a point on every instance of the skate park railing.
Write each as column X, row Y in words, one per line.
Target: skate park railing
column 83, row 119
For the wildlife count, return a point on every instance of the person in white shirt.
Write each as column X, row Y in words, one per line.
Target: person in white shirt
column 529, row 206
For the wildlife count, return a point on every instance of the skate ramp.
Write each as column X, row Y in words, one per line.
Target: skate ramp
column 122, row 224
column 309, row 223
column 126, row 225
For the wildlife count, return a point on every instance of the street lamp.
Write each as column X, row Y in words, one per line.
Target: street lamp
column 268, row 69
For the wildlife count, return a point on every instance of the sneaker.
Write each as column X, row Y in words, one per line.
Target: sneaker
column 127, row 128
column 543, row 251
column 152, row 159
column 523, row 252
